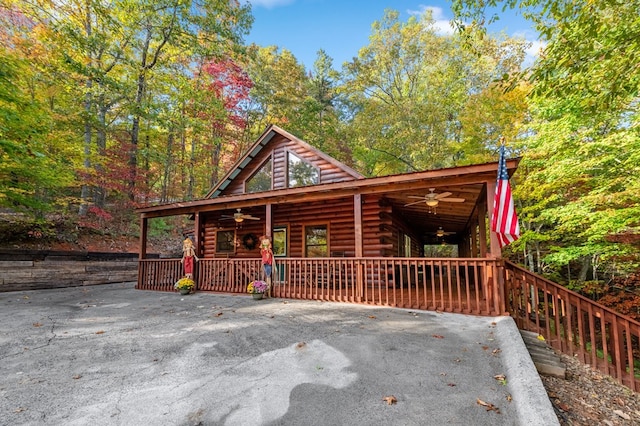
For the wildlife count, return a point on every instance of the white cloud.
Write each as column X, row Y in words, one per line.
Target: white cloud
column 441, row 24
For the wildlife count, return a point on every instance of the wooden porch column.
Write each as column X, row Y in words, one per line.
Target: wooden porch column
column 474, row 236
column 197, row 234
column 357, row 223
column 357, row 231
column 268, row 225
column 144, row 223
column 482, row 229
column 197, row 244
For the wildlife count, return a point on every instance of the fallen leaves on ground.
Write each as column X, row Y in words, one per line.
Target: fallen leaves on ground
column 488, row 406
column 437, row 336
column 390, row 400
column 587, row 397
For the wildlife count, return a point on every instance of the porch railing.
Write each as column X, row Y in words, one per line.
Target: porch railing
column 452, row 285
column 575, row 325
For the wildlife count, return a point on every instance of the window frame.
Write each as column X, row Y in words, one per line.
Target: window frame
column 233, row 243
column 305, row 247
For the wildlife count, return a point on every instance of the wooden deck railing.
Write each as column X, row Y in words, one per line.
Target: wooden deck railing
column 575, row 325
column 451, row 285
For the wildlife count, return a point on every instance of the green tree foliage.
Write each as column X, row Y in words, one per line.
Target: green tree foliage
column 279, row 90
column 578, row 182
column 33, row 174
column 408, row 89
column 114, row 76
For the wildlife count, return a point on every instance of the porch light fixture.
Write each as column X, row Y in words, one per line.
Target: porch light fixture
column 238, row 219
column 440, row 232
column 432, row 203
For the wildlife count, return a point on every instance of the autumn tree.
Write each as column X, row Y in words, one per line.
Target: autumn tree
column 33, row 174
column 579, row 184
column 408, row 88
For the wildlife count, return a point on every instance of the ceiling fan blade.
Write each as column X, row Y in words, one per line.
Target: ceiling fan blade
column 442, row 195
column 250, row 217
column 415, row 202
column 415, row 196
column 452, row 200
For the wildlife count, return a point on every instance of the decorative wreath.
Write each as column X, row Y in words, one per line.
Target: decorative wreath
column 249, row 241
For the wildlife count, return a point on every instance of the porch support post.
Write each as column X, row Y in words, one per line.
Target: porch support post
column 197, row 234
column 482, row 227
column 357, row 223
column 357, row 230
column 144, row 222
column 474, row 237
column 197, row 244
column 142, row 254
column 268, row 225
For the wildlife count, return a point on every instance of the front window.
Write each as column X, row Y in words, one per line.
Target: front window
column 280, row 241
column 316, row 243
column 301, row 173
column 261, row 180
column 225, row 241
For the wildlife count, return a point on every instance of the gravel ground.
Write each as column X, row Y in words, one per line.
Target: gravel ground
column 587, row 397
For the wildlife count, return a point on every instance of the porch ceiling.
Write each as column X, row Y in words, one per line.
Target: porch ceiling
column 453, row 217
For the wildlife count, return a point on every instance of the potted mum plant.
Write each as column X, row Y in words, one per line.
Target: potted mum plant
column 257, row 289
column 185, row 285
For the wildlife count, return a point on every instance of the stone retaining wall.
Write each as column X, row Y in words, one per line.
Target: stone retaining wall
column 42, row 269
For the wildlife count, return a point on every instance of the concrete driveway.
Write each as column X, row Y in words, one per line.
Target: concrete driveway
column 113, row 355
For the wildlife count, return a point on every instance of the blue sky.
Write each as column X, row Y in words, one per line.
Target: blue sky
column 342, row 27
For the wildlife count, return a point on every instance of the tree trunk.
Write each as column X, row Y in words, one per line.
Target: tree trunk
column 168, row 164
column 85, row 192
column 584, row 269
column 100, row 195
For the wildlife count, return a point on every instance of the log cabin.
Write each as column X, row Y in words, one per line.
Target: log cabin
column 339, row 236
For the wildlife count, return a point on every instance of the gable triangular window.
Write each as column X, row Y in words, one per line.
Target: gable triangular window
column 261, row 180
column 301, row 173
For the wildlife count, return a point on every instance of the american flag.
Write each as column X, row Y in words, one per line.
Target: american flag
column 504, row 220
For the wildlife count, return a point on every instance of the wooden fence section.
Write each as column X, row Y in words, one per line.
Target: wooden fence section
column 468, row 286
column 575, row 325
column 159, row 274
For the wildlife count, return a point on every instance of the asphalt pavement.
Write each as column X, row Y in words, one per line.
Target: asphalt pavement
column 114, row 355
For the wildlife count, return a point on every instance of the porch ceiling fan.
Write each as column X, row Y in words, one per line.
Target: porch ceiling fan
column 441, row 232
column 239, row 217
column 432, row 199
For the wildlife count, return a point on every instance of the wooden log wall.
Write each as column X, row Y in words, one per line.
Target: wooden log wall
column 338, row 216
column 377, row 227
column 379, row 233
column 43, row 270
column 212, row 223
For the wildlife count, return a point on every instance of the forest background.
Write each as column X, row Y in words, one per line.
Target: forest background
column 108, row 106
